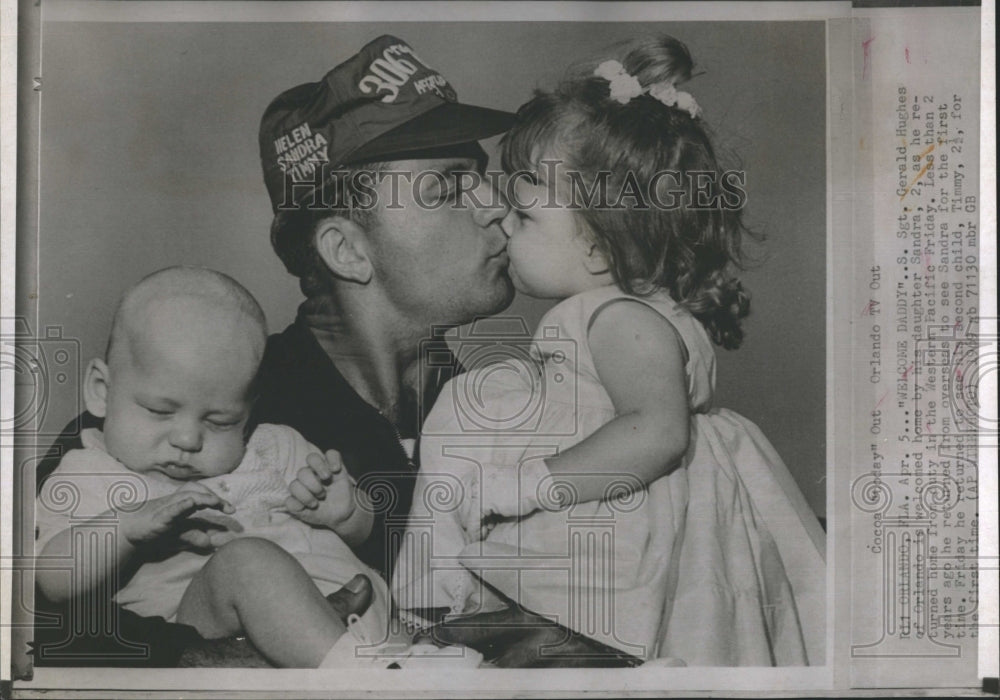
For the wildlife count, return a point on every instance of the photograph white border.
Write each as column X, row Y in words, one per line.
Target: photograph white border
column 597, row 681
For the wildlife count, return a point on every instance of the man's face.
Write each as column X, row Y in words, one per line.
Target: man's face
column 439, row 254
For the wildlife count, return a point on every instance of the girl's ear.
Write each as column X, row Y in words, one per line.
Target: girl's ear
column 342, row 245
column 594, row 261
column 96, row 382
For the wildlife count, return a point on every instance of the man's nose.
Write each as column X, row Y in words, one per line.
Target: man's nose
column 494, row 207
column 186, row 435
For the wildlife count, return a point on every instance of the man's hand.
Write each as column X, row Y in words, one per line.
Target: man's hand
column 169, row 517
column 323, row 494
column 518, row 638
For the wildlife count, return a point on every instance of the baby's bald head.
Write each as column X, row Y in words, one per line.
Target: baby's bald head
column 202, row 309
column 178, row 382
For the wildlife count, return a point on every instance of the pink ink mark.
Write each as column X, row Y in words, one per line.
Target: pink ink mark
column 868, row 308
column 958, row 374
column 907, row 51
column 907, row 371
column 866, row 45
column 927, row 261
column 881, row 399
column 958, row 324
column 928, row 426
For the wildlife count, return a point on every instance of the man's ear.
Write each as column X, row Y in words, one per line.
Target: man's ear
column 96, row 382
column 342, row 245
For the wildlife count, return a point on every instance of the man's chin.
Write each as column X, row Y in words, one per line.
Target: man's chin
column 486, row 305
column 503, row 298
column 509, row 293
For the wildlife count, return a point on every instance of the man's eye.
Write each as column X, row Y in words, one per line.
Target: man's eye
column 435, row 194
column 158, row 411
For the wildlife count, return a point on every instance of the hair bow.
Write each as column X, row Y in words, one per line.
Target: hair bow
column 625, row 87
column 669, row 95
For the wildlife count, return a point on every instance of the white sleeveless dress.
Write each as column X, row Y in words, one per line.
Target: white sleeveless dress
column 720, row 563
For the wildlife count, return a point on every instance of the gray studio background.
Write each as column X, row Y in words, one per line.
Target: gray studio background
column 149, row 159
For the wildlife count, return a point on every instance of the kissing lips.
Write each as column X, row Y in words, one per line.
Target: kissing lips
column 501, row 257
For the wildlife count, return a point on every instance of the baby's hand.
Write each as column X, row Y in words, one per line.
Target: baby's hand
column 323, row 492
column 168, row 517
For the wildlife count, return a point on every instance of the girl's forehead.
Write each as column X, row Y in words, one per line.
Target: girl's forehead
column 544, row 155
column 547, row 187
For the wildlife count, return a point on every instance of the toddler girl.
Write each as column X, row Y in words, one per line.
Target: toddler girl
column 596, row 484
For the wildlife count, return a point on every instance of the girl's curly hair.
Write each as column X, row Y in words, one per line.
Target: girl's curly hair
column 688, row 249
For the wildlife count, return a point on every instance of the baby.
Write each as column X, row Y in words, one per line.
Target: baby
column 229, row 535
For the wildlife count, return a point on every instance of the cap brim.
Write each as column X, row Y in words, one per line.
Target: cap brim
column 445, row 125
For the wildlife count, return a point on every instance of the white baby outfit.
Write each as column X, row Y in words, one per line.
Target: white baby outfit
column 720, row 563
column 89, row 482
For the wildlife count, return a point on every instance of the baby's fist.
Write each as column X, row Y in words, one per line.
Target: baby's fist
column 322, row 493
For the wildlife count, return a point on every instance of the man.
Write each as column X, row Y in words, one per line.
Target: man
column 388, row 247
column 391, row 245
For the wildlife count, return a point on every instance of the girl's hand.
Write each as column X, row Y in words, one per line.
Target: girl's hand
column 505, row 491
column 169, row 517
column 323, row 493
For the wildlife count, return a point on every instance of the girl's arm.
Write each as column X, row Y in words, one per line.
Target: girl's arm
column 640, row 362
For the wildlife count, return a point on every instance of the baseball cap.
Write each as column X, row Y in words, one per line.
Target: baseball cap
column 383, row 101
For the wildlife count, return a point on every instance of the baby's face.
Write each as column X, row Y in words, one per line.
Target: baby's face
column 180, row 407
